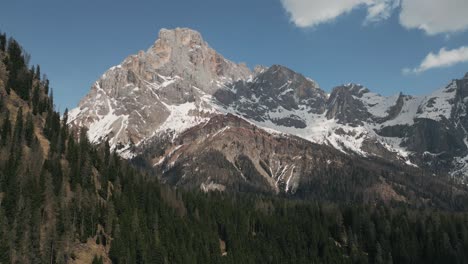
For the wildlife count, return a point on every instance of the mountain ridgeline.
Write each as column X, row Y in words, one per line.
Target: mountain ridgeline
column 64, row 199
column 177, row 106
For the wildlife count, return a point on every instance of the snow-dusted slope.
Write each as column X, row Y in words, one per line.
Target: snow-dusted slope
column 310, row 120
column 439, row 104
column 181, row 82
column 161, row 89
column 356, row 121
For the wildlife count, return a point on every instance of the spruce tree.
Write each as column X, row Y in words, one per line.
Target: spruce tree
column 15, row 63
column 46, row 86
column 4, row 241
column 18, row 130
column 29, row 130
column 36, row 99
column 17, row 139
column 97, row 260
column 6, row 130
column 3, row 42
column 37, row 75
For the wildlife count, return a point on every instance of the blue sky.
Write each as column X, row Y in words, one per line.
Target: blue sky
column 362, row 41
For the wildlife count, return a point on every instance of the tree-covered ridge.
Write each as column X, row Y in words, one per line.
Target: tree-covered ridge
column 59, row 194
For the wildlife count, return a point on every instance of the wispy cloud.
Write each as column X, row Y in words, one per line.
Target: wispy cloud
column 445, row 58
column 305, row 13
column 435, row 16
column 381, row 9
column 432, row 16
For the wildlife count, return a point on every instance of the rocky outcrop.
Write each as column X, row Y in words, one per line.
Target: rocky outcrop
column 274, row 95
column 343, row 107
column 229, row 154
column 395, row 110
column 133, row 100
column 180, row 83
column 236, row 155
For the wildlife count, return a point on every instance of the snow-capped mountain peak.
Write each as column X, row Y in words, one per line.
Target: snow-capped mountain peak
column 180, row 82
column 165, row 87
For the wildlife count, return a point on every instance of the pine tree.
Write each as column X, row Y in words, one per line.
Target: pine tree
column 24, row 84
column 3, row 42
column 65, row 120
column 6, row 130
column 18, row 130
column 63, row 132
column 29, row 130
column 37, row 75
column 3, row 73
column 378, row 254
column 33, row 72
column 36, row 99
column 97, row 260
column 51, row 98
column 46, row 86
column 4, row 242
column 15, row 64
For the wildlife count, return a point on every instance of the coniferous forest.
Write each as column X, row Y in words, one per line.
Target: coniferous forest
column 64, row 200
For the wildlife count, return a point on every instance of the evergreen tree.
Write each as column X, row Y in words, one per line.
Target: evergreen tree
column 6, row 130
column 3, row 73
column 36, row 99
column 29, row 130
column 18, row 130
column 63, row 132
column 97, row 260
column 37, row 75
column 83, row 191
column 3, row 42
column 46, row 86
column 4, row 242
column 15, row 65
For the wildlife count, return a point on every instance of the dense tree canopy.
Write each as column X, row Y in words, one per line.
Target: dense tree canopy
column 58, row 191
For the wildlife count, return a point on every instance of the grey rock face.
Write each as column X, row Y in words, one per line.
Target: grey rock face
column 230, row 154
column 395, row 110
column 435, row 137
column 459, row 119
column 183, row 53
column 131, row 101
column 345, row 108
column 180, row 82
column 274, row 90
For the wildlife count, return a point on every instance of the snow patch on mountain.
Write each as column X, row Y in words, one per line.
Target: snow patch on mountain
column 408, row 112
column 182, row 117
column 180, row 82
column 439, row 104
column 376, row 104
column 320, row 130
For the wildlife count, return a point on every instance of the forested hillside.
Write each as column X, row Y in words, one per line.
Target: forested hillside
column 63, row 200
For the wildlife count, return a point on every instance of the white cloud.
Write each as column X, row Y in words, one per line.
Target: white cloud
column 307, row 13
column 431, row 16
column 381, row 9
column 445, row 58
column 435, row 16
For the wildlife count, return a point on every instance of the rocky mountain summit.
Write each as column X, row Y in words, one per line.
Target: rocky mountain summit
column 180, row 104
column 153, row 90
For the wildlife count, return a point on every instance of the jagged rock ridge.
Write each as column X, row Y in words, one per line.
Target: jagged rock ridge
column 162, row 88
column 181, row 83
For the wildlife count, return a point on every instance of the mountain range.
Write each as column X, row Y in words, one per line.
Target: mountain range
column 234, row 169
column 198, row 120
